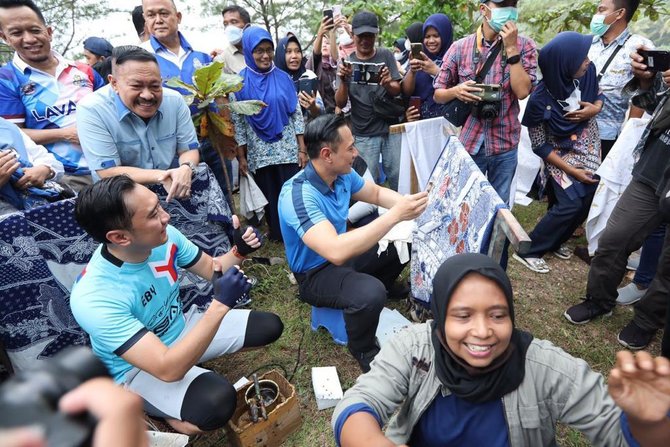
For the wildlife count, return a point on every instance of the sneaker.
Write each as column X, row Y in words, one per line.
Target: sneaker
column 634, row 337
column 563, row 252
column 365, row 358
column 585, row 311
column 633, row 261
column 535, row 264
column 629, row 295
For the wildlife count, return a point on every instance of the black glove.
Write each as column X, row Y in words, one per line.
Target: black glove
column 242, row 247
column 230, row 286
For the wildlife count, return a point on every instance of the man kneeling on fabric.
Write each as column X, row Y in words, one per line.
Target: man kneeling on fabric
column 336, row 268
column 127, row 300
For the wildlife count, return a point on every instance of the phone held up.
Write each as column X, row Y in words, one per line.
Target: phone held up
column 328, row 13
column 656, row 60
column 415, row 101
column 416, row 49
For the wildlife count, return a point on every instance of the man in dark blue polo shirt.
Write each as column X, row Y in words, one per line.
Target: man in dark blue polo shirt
column 333, row 267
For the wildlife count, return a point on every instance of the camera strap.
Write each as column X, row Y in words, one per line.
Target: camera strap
column 493, row 54
column 611, row 58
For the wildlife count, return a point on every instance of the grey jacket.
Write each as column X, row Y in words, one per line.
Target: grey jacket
column 556, row 387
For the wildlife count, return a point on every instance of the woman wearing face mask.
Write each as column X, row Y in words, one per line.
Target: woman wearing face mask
column 560, row 117
column 471, row 378
column 437, row 38
column 288, row 58
column 270, row 144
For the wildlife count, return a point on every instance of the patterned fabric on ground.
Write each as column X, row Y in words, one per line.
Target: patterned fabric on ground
column 43, row 250
column 462, row 206
column 615, row 173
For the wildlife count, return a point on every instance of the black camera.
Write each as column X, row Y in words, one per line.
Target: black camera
column 30, row 398
column 489, row 107
column 366, row 73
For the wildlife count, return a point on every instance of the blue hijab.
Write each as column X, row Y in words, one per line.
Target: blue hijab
column 274, row 87
column 280, row 57
column 423, row 85
column 559, row 60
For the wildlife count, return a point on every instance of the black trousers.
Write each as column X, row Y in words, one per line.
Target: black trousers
column 358, row 287
column 270, row 179
column 635, row 216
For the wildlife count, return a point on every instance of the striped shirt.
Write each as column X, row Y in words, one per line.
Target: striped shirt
column 304, row 201
column 460, row 64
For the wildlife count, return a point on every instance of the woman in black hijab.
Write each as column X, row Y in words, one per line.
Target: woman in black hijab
column 469, row 377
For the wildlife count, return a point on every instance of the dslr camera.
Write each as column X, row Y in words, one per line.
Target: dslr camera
column 366, row 73
column 31, row 397
column 489, row 107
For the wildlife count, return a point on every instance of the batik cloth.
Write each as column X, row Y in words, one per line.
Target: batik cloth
column 462, row 206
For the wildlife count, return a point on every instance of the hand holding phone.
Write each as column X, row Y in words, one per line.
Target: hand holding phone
column 328, row 13
column 655, row 60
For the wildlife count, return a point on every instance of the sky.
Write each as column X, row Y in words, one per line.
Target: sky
column 119, row 30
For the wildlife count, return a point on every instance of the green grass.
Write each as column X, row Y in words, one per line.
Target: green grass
column 540, row 303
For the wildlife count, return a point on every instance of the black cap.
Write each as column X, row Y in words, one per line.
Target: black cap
column 365, row 22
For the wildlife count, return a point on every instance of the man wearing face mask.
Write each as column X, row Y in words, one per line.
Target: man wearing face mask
column 610, row 52
column 491, row 138
column 235, row 19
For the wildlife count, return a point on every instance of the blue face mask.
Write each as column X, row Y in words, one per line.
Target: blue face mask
column 500, row 16
column 233, row 34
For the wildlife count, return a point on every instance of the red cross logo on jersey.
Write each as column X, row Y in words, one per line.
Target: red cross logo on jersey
column 166, row 268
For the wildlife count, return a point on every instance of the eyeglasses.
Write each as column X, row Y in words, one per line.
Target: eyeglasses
column 262, row 51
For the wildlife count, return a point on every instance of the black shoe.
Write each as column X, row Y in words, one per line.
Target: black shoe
column 365, row 358
column 398, row 291
column 585, row 311
column 634, row 337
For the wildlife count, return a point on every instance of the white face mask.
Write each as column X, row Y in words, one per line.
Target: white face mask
column 344, row 40
column 571, row 103
column 398, row 56
column 233, row 34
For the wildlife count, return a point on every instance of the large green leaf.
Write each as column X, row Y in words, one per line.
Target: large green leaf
column 178, row 83
column 206, row 76
column 250, row 107
column 226, row 83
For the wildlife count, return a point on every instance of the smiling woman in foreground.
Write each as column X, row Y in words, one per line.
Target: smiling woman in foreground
column 469, row 377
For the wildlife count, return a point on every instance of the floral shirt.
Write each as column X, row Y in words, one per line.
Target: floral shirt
column 617, row 75
column 583, row 151
column 261, row 153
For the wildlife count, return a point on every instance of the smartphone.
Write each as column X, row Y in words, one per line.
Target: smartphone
column 346, row 63
column 415, row 101
column 328, row 13
column 337, row 10
column 656, row 60
column 307, row 85
column 417, row 48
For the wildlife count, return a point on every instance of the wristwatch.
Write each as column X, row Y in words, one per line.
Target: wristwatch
column 191, row 165
column 514, row 59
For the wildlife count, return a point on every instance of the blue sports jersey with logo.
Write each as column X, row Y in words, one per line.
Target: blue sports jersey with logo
column 117, row 302
column 38, row 100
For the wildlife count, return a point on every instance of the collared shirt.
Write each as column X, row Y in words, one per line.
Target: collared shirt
column 261, row 153
column 38, row 100
column 460, row 64
column 617, row 75
column 111, row 135
column 118, row 302
column 180, row 65
column 304, row 201
column 233, row 58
